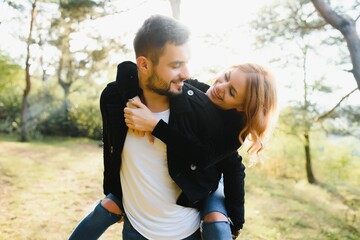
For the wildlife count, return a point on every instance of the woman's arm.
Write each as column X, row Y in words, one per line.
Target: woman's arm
column 204, row 153
column 234, row 189
column 139, row 117
column 106, row 141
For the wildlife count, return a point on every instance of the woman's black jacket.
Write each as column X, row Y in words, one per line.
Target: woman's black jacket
column 197, row 154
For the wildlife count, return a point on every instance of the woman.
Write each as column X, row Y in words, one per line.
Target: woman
column 246, row 97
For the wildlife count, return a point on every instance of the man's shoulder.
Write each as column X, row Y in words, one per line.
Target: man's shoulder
column 195, row 94
column 200, row 102
column 110, row 93
column 206, row 113
column 110, row 88
column 199, row 85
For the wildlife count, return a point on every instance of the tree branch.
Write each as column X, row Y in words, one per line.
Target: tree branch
column 347, row 27
column 326, row 114
column 357, row 18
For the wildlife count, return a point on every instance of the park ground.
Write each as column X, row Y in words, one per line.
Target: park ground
column 48, row 186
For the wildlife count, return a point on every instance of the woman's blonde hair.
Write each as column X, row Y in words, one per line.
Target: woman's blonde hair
column 259, row 105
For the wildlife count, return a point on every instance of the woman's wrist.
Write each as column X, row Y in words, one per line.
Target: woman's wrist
column 235, row 234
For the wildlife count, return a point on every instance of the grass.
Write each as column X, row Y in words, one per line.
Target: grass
column 47, row 187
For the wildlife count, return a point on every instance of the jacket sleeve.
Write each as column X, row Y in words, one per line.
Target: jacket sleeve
column 106, row 142
column 203, row 152
column 234, row 189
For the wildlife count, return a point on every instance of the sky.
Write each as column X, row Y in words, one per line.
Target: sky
column 227, row 19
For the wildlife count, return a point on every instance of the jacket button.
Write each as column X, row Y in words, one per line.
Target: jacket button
column 190, row 92
column 193, row 167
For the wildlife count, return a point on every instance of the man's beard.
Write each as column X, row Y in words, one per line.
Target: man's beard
column 161, row 87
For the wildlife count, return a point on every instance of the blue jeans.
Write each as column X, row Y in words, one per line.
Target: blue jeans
column 96, row 223
column 130, row 233
column 219, row 230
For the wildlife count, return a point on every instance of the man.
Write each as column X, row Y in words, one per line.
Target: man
column 150, row 182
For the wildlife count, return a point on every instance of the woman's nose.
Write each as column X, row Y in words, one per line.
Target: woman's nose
column 221, row 86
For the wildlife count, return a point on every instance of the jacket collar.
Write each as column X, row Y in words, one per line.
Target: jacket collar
column 180, row 103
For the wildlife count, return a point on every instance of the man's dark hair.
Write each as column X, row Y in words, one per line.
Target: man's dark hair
column 155, row 33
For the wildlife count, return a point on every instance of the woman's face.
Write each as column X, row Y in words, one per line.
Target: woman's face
column 228, row 90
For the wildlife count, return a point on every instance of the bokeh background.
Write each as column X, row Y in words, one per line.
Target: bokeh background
column 56, row 56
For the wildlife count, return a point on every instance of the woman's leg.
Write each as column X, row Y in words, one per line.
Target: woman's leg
column 105, row 214
column 215, row 224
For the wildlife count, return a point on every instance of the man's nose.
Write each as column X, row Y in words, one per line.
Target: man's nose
column 185, row 74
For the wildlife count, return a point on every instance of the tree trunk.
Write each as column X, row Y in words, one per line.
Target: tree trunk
column 65, row 85
column 175, row 8
column 66, row 103
column 347, row 27
column 309, row 173
column 25, row 103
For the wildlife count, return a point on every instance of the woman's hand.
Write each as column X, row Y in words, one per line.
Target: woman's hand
column 139, row 118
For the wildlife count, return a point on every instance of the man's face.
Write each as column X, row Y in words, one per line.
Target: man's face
column 169, row 74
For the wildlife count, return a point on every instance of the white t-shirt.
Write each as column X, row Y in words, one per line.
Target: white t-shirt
column 150, row 194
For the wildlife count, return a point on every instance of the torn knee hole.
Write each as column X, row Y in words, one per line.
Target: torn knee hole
column 215, row 217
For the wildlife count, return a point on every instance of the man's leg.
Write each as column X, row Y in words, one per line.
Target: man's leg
column 129, row 232
column 105, row 214
column 215, row 224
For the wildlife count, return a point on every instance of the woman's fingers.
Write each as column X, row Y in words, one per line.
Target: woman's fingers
column 150, row 137
column 139, row 133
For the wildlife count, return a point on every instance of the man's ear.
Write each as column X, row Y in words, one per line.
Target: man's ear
column 144, row 65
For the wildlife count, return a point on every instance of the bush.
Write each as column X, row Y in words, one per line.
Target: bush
column 82, row 121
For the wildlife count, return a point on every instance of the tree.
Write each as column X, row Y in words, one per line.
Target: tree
column 294, row 25
column 25, row 101
column 11, row 78
column 298, row 118
column 347, row 26
column 175, row 8
column 347, row 122
column 84, row 62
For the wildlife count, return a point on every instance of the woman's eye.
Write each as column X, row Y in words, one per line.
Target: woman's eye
column 232, row 92
column 226, row 77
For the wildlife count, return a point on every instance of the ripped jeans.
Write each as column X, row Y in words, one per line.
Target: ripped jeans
column 96, row 223
column 100, row 219
column 218, row 230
